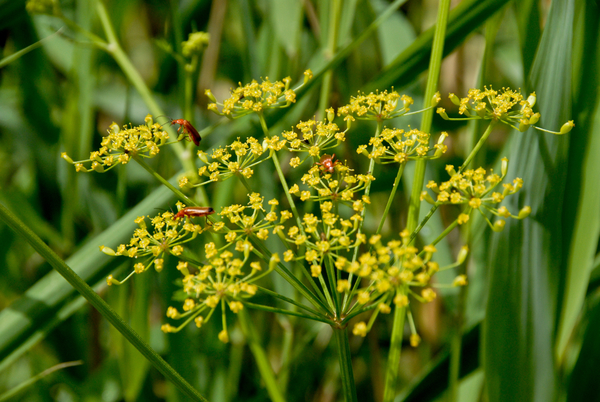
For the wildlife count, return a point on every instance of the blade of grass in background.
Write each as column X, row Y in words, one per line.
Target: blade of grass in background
column 91, row 296
column 31, row 310
column 526, row 257
column 582, row 196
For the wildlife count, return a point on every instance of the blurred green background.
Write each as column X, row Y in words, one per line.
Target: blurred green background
column 531, row 310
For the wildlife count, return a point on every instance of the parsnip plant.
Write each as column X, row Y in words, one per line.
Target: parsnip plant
column 344, row 274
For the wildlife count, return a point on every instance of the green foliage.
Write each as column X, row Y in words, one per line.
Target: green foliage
column 114, row 63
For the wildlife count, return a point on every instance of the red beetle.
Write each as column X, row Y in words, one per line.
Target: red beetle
column 194, row 211
column 327, row 163
column 189, row 129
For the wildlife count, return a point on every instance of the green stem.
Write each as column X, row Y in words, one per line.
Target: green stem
column 295, row 282
column 435, row 64
column 345, row 359
column 285, row 312
column 391, row 199
column 96, row 301
column 114, row 48
column 332, row 39
column 367, row 190
column 286, row 189
column 415, row 197
column 188, row 201
column 291, row 301
column 480, row 143
column 264, row 367
column 393, row 364
column 423, row 223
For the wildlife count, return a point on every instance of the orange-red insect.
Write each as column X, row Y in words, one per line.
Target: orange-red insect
column 194, row 211
column 189, row 129
column 327, row 163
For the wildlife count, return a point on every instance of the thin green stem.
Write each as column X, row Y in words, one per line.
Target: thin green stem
column 391, row 198
column 96, row 301
column 24, row 385
column 435, row 64
column 332, row 279
column 332, row 39
column 295, row 282
column 286, row 188
column 393, row 364
column 260, row 357
column 114, row 49
column 188, row 201
column 422, row 224
column 367, row 189
column 286, row 312
column 415, row 197
column 362, row 214
column 480, row 143
column 345, row 359
column 291, row 301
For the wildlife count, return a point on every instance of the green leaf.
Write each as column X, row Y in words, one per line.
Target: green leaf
column 583, row 382
column 582, row 195
column 25, row 315
column 521, row 309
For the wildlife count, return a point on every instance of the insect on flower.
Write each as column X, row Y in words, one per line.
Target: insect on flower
column 187, row 128
column 194, row 211
column 327, row 163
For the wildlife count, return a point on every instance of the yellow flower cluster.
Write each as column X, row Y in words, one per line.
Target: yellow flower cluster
column 237, row 158
column 255, row 97
column 321, row 237
column 256, row 224
column 339, row 186
column 315, row 137
column 223, row 281
column 506, row 105
column 397, row 146
column 168, row 236
column 121, row 144
column 195, row 44
column 376, row 106
column 473, row 189
column 389, row 274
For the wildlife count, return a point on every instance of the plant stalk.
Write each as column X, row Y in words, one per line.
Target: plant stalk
column 345, row 359
column 260, row 357
column 393, row 364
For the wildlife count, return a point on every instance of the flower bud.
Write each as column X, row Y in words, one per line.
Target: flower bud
column 330, row 115
column 107, row 251
column 308, row 74
column 442, row 112
column 534, row 119
column 149, row 121
column 436, row 99
column 66, row 157
column 210, row 95
column 203, row 157
column 523, row 127
column 499, row 225
column 426, row 197
column 524, row 212
column 462, row 254
column 568, row 126
column 97, row 167
column 454, row 99
column 114, row 128
column 532, row 99
column 274, row 261
column 504, row 166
